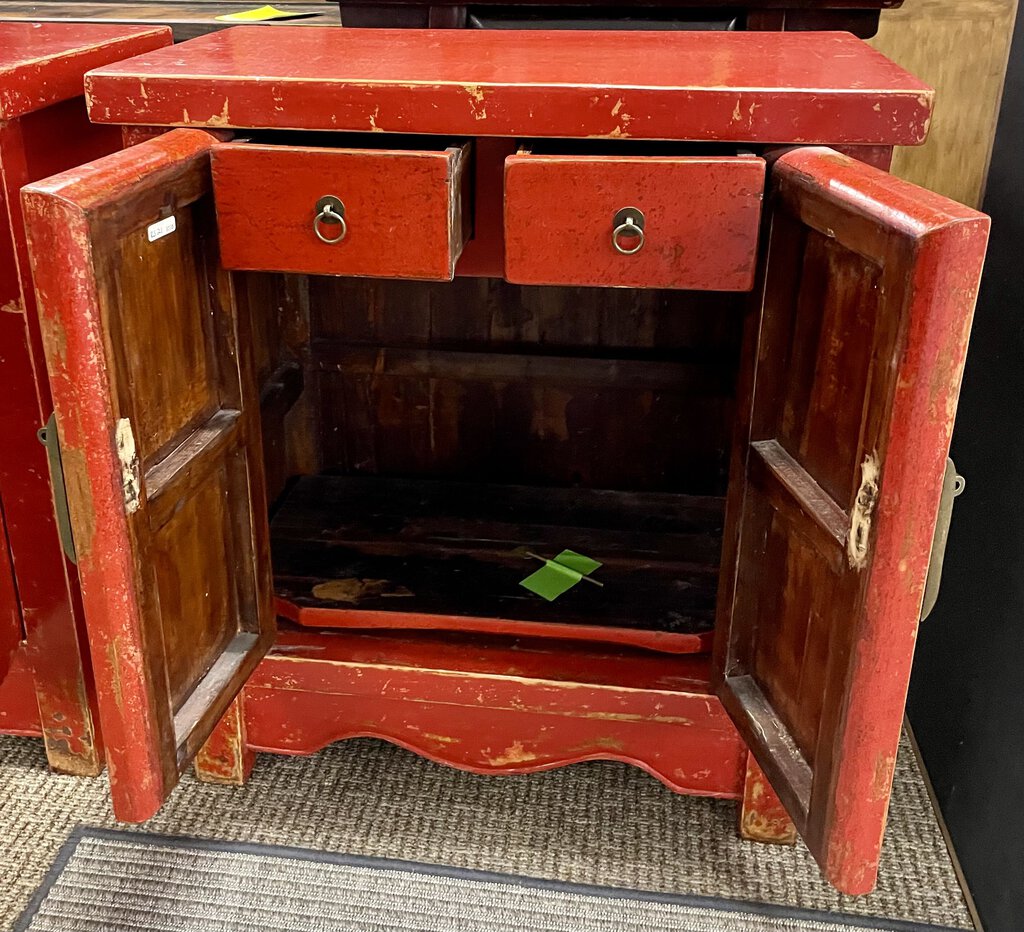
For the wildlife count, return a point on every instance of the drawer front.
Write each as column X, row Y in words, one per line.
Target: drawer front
column 402, row 211
column 573, row 220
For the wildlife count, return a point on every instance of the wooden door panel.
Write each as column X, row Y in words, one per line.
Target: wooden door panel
column 148, row 353
column 853, row 367
column 159, row 321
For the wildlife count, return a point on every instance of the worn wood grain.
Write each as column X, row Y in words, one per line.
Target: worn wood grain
column 226, row 757
column 413, row 554
column 607, row 388
column 278, row 315
column 859, row 348
column 41, row 79
column 179, row 614
column 762, row 815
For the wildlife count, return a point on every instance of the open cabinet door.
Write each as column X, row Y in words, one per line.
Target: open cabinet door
column 853, row 371
column 148, row 357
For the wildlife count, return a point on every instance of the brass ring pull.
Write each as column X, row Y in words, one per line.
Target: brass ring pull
column 628, row 223
column 330, row 210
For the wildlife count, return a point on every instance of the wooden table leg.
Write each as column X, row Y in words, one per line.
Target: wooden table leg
column 762, row 815
column 226, row 758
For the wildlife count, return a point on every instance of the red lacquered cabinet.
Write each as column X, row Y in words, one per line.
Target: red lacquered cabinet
column 381, row 314
column 45, row 681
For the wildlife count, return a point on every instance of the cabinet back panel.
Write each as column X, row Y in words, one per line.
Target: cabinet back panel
column 278, row 309
column 480, row 379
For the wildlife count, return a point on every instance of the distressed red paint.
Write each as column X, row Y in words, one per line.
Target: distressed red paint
column 948, row 243
column 827, row 553
column 763, row 817
column 497, row 707
column 42, row 63
column 379, row 188
column 498, row 702
column 700, row 215
column 43, row 129
column 354, row 618
column 59, row 213
column 227, row 757
column 19, row 713
column 724, row 86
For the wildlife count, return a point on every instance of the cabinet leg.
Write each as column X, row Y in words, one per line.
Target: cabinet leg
column 762, row 815
column 55, row 654
column 226, row 758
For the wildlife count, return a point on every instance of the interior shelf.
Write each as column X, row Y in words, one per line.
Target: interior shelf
column 358, row 552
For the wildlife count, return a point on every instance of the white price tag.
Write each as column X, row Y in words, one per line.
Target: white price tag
column 161, row 228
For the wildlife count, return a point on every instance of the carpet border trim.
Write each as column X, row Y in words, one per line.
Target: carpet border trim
column 722, row 904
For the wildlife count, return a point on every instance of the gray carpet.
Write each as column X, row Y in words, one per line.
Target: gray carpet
column 120, row 882
column 597, row 823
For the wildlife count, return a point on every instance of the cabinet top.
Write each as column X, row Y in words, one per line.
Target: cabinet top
column 43, row 63
column 753, row 87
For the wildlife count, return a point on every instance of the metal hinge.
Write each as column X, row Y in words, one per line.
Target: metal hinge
column 48, row 438
column 952, row 485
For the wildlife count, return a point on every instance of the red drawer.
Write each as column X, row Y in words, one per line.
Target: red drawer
column 402, row 211
column 645, row 221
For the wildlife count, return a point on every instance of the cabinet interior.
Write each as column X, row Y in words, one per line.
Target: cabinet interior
column 419, row 436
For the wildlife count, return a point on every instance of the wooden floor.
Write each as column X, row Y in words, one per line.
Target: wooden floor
column 369, row 552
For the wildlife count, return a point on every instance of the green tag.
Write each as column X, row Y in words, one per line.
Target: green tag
column 577, row 562
column 559, row 575
column 551, row 580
